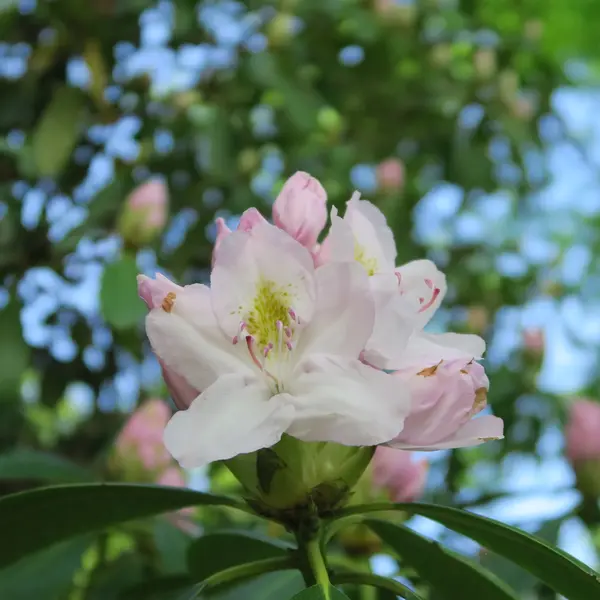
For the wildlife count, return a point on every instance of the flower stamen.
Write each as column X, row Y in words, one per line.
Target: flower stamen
column 169, row 302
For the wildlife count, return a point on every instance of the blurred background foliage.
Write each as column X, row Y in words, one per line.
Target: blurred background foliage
column 471, row 123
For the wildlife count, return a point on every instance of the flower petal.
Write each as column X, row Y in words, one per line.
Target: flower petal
column 189, row 341
column 264, row 256
column 182, row 393
column 153, row 291
column 386, row 347
column 426, row 349
column 472, row 433
column 344, row 316
column 423, row 287
column 371, row 232
column 233, row 416
column 347, row 402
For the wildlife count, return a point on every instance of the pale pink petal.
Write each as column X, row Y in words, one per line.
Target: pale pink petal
column 250, row 267
column 188, row 339
column 338, row 246
column 372, row 234
column 250, row 218
column 472, row 433
column 427, row 349
column 424, row 287
column 347, row 402
column 180, row 390
column 153, row 291
column 343, row 320
column 222, row 232
column 233, row 416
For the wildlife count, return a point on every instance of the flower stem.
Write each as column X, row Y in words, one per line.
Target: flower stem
column 314, row 569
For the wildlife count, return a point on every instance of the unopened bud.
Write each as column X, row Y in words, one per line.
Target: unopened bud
column 390, row 174
column 144, row 213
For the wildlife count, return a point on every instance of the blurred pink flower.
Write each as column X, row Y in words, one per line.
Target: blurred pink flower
column 154, row 293
column 301, row 209
column 582, row 432
column 445, row 397
column 399, row 474
column 142, row 437
column 145, row 212
column 534, row 339
column 390, row 174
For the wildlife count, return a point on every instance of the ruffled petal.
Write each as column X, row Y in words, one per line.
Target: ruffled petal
column 472, row 433
column 347, row 402
column 344, row 316
column 423, row 287
column 233, row 416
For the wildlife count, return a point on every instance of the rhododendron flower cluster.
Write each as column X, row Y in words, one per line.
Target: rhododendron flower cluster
column 299, row 338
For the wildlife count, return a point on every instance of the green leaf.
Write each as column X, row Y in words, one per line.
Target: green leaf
column 47, row 574
column 215, row 552
column 273, row 586
column 556, row 568
column 49, row 515
column 116, row 578
column 456, row 576
column 317, row 592
column 14, row 352
column 57, row 131
column 119, row 301
column 42, row 466
column 172, row 545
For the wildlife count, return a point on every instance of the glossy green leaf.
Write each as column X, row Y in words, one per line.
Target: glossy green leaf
column 42, row 466
column 172, row 545
column 457, row 577
column 116, row 578
column 58, row 131
column 318, row 592
column 272, row 586
column 556, row 568
column 14, row 352
column 119, row 301
column 47, row 574
column 215, row 552
column 49, row 515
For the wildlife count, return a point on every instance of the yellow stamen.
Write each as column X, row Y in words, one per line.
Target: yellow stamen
column 169, row 302
column 360, row 256
column 271, row 305
column 430, row 371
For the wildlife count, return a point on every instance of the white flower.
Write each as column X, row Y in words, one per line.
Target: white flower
column 274, row 344
column 406, row 297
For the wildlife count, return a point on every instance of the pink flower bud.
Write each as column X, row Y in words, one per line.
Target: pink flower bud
column 390, row 174
column 141, row 439
column 534, row 340
column 301, row 209
column 145, row 213
column 582, row 432
column 402, row 477
column 153, row 293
